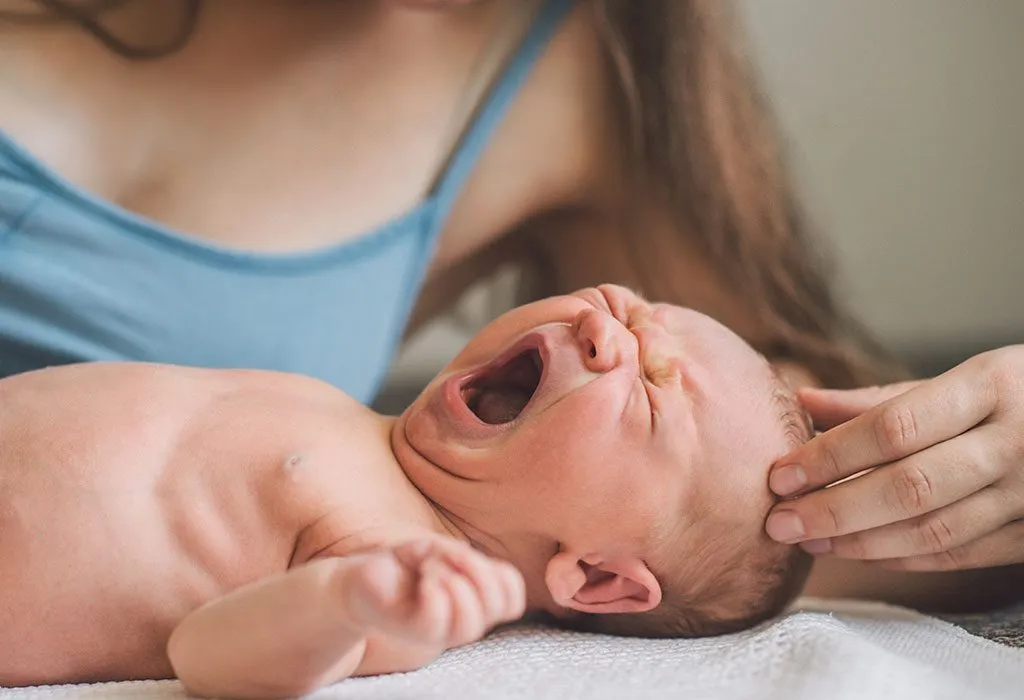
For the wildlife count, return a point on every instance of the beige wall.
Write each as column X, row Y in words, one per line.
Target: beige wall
column 906, row 124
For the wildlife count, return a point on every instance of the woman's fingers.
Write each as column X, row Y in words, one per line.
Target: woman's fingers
column 913, row 486
column 1002, row 547
column 953, row 526
column 939, row 477
column 831, row 407
column 931, row 412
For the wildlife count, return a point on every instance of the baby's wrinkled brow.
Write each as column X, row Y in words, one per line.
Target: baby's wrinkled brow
column 594, row 297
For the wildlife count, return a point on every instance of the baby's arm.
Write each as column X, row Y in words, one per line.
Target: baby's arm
column 292, row 633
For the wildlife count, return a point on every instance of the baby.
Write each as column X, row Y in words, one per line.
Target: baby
column 592, row 457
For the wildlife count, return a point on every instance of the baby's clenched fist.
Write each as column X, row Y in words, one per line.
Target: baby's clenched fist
column 434, row 591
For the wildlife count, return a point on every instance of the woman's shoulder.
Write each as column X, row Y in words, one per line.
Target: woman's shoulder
column 561, row 146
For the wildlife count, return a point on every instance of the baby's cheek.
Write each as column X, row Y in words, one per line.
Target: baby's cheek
column 564, row 445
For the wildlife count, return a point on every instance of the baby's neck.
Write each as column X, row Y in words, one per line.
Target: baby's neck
column 424, row 476
column 364, row 498
column 436, row 520
column 442, row 521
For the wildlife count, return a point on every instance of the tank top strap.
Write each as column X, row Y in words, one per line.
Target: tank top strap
column 495, row 103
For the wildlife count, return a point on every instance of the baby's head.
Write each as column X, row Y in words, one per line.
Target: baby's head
column 617, row 453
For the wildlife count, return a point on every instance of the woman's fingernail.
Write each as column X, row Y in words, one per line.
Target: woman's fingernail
column 787, row 480
column 817, row 547
column 785, row 526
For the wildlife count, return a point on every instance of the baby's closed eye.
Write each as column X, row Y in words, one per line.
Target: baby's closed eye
column 662, row 373
column 658, row 362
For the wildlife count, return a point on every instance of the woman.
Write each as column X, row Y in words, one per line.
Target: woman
column 282, row 184
column 295, row 185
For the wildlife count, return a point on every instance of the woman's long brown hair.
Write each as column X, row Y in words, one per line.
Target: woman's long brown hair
column 89, row 15
column 704, row 134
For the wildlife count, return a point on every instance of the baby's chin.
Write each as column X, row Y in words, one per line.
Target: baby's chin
column 408, row 431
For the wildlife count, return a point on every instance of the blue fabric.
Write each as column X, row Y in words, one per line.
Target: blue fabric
column 84, row 280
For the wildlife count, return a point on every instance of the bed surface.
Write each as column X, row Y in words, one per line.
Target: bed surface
column 820, row 650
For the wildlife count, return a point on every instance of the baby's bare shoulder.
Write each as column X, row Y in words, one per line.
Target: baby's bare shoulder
column 97, row 386
column 313, row 458
column 330, row 460
column 361, row 497
column 96, row 383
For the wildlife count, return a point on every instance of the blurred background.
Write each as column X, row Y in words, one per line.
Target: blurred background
column 905, row 130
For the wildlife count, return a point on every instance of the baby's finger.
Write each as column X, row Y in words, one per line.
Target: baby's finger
column 482, row 572
column 930, row 413
column 433, row 607
column 467, row 622
column 1003, row 547
column 514, row 589
column 955, row 525
column 371, row 586
column 508, row 580
column 411, row 554
column 919, row 484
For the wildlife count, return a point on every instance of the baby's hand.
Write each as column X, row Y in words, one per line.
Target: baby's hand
column 433, row 592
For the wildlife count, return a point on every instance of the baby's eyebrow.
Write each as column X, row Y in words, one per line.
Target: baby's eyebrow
column 795, row 420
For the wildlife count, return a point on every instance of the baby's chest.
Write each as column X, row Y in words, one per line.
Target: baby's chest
column 365, row 507
column 112, row 570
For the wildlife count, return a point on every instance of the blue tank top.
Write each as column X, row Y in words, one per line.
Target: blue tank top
column 84, row 280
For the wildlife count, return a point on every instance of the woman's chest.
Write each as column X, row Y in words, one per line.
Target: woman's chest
column 294, row 145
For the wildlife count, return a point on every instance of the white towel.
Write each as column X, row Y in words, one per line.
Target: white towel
column 832, row 651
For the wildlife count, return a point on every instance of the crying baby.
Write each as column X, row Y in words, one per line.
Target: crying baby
column 594, row 458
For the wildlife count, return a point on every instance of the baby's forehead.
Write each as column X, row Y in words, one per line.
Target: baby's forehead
column 746, row 434
column 686, row 322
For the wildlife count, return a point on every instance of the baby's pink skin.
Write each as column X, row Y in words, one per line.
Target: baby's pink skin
column 132, row 494
column 648, row 416
column 137, row 501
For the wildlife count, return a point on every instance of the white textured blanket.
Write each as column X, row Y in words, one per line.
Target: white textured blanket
column 821, row 650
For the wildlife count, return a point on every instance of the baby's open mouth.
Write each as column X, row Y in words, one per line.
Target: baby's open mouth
column 501, row 391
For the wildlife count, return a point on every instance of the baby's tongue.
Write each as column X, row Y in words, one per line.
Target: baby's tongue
column 501, row 404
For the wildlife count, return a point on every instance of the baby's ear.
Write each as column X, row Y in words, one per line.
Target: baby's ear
column 593, row 584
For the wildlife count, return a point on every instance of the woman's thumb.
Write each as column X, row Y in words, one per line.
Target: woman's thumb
column 831, row 407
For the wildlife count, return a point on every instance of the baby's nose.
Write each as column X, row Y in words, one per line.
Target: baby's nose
column 604, row 342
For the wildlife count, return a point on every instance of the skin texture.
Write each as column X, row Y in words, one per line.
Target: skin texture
column 261, row 535
column 676, row 408
column 944, row 454
column 220, row 164
column 359, row 98
column 149, row 490
column 202, row 491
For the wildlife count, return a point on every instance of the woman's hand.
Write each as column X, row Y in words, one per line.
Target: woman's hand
column 946, row 486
